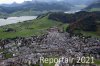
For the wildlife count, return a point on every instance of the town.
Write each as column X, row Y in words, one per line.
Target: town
column 26, row 51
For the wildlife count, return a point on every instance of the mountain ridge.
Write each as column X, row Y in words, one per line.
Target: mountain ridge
column 38, row 7
column 93, row 7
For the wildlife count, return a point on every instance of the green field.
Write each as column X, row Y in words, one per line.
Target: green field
column 94, row 9
column 28, row 28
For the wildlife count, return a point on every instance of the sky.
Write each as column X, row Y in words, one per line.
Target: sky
column 11, row 1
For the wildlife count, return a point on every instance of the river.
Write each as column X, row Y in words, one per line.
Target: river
column 11, row 20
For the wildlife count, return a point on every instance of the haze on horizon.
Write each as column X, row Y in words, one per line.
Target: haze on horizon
column 11, row 1
column 21, row 1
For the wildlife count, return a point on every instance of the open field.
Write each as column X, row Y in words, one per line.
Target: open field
column 27, row 28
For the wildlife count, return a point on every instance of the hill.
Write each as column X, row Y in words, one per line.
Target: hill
column 93, row 7
column 88, row 24
column 34, row 8
column 85, row 22
column 28, row 28
column 70, row 18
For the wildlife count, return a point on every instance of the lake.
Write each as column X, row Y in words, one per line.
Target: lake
column 11, row 20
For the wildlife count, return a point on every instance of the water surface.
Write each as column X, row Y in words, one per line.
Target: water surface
column 11, row 20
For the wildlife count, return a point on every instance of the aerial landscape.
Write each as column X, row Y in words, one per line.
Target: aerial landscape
column 49, row 32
